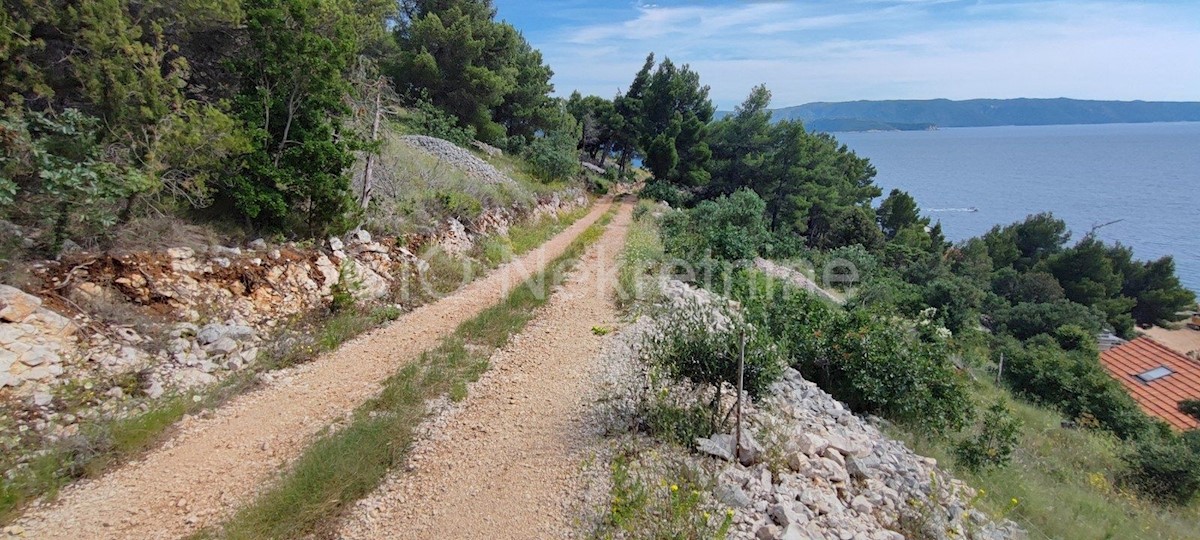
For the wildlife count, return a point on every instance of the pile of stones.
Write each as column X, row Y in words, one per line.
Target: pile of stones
column 456, row 156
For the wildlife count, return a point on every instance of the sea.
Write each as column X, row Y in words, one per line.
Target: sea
column 1137, row 184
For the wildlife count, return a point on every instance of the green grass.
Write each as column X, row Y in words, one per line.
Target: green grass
column 494, row 250
column 642, row 254
column 343, row 466
column 100, row 445
column 97, row 447
column 653, row 499
column 527, row 236
column 1065, row 482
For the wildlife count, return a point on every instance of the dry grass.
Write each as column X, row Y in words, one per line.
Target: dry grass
column 161, row 233
column 1064, row 482
column 414, row 192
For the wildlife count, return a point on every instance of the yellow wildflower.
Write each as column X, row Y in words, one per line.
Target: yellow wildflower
column 674, row 487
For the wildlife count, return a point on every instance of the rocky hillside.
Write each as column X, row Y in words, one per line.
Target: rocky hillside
column 811, row 469
column 808, row 467
column 104, row 333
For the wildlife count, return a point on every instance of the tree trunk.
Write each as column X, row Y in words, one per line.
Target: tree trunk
column 127, row 211
column 60, row 227
column 369, row 168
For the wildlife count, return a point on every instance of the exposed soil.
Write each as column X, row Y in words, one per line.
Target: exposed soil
column 217, row 462
column 1183, row 340
column 504, row 463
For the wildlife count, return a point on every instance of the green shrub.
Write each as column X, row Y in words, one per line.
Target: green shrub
column 345, row 291
column 459, row 205
column 679, row 424
column 434, row 122
column 665, row 192
column 598, row 185
column 642, row 209
column 55, row 166
column 1026, row 320
column 1165, row 470
column 862, row 261
column 726, row 229
column 872, row 364
column 993, row 443
column 890, row 294
column 1190, row 407
column 699, row 340
column 1072, row 381
column 553, row 157
column 957, row 300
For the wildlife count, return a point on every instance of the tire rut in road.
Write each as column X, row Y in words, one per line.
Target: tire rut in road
column 218, row 462
column 503, row 464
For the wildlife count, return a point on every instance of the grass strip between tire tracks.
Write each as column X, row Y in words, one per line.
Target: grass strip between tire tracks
column 102, row 445
column 347, row 463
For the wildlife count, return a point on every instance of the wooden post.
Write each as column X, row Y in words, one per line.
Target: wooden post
column 737, row 441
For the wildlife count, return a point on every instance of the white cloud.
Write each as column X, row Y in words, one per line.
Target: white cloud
column 896, row 49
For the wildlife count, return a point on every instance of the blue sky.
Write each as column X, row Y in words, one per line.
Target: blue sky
column 841, row 50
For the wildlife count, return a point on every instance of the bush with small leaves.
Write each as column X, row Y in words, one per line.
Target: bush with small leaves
column 1190, row 407
column 869, row 362
column 993, row 442
column 1166, row 470
column 699, row 340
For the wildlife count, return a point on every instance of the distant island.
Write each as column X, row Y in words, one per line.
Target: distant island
column 859, row 124
column 909, row 115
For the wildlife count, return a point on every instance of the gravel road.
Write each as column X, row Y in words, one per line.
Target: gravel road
column 504, row 464
column 218, row 461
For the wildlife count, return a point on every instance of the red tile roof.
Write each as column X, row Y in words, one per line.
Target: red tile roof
column 1159, row 397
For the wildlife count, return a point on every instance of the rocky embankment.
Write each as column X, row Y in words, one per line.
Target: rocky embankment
column 809, row 468
column 812, row 469
column 107, row 332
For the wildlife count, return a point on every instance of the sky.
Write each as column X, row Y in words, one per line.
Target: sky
column 844, row 50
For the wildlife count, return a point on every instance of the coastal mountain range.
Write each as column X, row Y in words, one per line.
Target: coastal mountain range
column 892, row 115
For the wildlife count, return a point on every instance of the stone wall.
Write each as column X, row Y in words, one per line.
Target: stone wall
column 185, row 317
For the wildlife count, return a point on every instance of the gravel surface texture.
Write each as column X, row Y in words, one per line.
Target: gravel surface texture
column 506, row 462
column 218, row 461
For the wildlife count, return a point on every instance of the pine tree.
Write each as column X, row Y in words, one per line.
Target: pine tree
column 291, row 96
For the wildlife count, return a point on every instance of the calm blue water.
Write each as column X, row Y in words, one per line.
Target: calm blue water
column 1147, row 175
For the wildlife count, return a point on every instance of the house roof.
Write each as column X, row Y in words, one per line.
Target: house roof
column 1159, row 396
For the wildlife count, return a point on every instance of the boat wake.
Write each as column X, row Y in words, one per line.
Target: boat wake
column 971, row 209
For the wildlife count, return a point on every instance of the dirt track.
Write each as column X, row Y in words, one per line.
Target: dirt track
column 217, row 462
column 502, row 465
